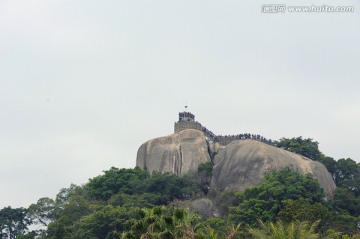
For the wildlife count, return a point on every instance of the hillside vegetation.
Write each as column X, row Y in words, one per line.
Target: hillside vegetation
column 131, row 203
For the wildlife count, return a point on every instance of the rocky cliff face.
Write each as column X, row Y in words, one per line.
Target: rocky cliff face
column 178, row 153
column 238, row 165
column 244, row 163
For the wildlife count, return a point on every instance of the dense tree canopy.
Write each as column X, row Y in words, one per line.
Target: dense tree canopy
column 164, row 187
column 106, row 222
column 13, row 222
column 116, row 181
column 305, row 147
column 266, row 200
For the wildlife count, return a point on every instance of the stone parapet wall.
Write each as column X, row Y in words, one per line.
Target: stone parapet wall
column 183, row 125
column 226, row 140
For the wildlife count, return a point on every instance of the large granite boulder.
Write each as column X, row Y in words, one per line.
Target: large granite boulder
column 178, row 153
column 244, row 163
column 238, row 165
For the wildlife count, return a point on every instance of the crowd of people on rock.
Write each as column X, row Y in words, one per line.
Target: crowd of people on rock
column 257, row 137
column 208, row 132
column 186, row 114
column 226, row 138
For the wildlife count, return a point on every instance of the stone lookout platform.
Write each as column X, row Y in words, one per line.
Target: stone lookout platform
column 186, row 121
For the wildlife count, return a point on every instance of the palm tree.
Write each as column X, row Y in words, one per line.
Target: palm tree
column 233, row 232
column 279, row 230
column 163, row 223
column 146, row 226
column 187, row 224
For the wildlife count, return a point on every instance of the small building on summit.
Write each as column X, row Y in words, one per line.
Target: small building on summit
column 186, row 121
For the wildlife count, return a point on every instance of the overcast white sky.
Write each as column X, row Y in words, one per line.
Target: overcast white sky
column 85, row 83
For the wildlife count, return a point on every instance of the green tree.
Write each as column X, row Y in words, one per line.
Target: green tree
column 115, row 181
column 267, row 199
column 205, row 174
column 280, row 230
column 171, row 187
column 347, row 174
column 219, row 225
column 65, row 193
column 162, row 222
column 344, row 223
column 346, row 201
column 305, row 147
column 13, row 222
column 105, row 223
column 225, row 200
column 330, row 164
column 76, row 208
column 137, row 181
column 304, row 210
column 206, row 168
column 44, row 211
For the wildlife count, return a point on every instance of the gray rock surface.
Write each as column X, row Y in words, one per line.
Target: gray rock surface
column 178, row 153
column 205, row 207
column 244, row 163
column 214, row 149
